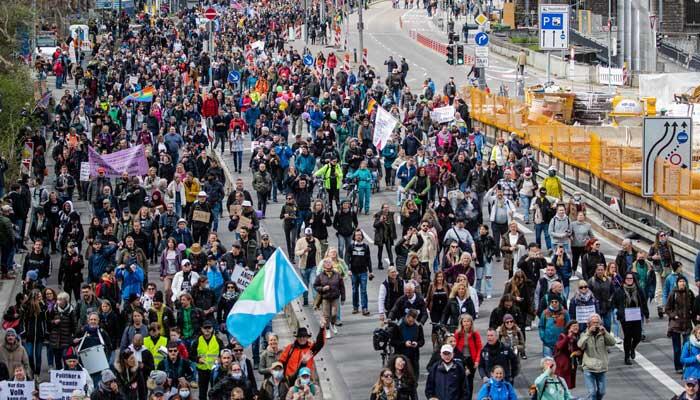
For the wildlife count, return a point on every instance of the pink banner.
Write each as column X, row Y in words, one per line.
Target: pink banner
column 132, row 160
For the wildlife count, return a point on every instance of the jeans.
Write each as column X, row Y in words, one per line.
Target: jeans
column 359, row 288
column 34, row 353
column 396, row 95
column 308, row 275
column 539, row 228
column 220, row 137
column 595, row 384
column 237, row 160
column 216, row 214
column 525, row 203
column 678, row 339
column 344, row 246
column 547, row 351
column 614, row 323
column 256, row 343
column 290, row 236
column 484, row 278
column 607, row 320
column 364, row 196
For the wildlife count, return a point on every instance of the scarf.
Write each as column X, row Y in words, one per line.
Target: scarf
column 631, row 296
column 694, row 341
column 229, row 295
column 584, row 297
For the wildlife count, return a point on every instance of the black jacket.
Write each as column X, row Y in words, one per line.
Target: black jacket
column 345, row 222
column 499, row 354
column 403, row 304
column 360, row 258
column 450, row 316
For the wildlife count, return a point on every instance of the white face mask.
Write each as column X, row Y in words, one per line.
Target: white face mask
column 184, row 394
column 278, row 374
column 305, row 381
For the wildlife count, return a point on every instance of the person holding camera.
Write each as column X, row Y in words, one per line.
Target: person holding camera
column 549, row 385
column 594, row 343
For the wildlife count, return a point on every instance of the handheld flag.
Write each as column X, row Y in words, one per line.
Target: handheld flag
column 144, row 95
column 370, row 105
column 272, row 288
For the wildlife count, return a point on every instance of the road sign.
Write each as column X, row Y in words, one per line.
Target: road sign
column 481, row 57
column 234, row 76
column 481, row 19
column 669, row 139
column 308, row 60
column 481, row 39
column 554, row 26
column 210, row 14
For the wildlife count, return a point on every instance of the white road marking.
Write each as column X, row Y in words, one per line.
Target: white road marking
column 657, row 373
column 368, row 238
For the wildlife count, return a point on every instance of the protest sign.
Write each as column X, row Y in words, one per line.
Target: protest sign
column 235, row 209
column 201, row 216
column 84, row 171
column 242, row 276
column 443, row 114
column 48, row 390
column 244, row 221
column 16, row 390
column 384, row 125
column 67, row 381
column 584, row 312
column 132, row 160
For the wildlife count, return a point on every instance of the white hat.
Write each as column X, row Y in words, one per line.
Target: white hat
column 446, row 348
column 202, row 193
column 308, row 231
column 185, row 261
column 247, row 203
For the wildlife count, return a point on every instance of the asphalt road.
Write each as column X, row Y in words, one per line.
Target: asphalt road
column 651, row 376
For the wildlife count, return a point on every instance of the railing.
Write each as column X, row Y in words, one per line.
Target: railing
column 428, row 42
column 610, row 159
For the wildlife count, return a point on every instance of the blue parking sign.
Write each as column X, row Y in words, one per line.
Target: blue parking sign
column 552, row 21
column 308, row 60
column 234, row 76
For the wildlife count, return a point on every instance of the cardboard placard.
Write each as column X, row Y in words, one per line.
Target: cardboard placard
column 16, row 390
column 244, row 221
column 633, row 314
column 84, row 171
column 235, row 209
column 201, row 216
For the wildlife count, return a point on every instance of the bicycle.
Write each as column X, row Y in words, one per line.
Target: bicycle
column 322, row 193
column 352, row 195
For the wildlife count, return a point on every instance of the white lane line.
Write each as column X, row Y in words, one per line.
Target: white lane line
column 657, row 373
column 368, row 238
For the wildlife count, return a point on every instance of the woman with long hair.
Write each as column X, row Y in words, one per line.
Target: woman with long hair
column 631, row 305
column 567, row 354
column 34, row 329
column 405, row 379
column 680, row 311
column 436, row 300
column 384, row 388
column 616, row 282
column 451, row 260
column 50, row 301
column 459, row 303
column 170, row 259
column 410, row 216
column 468, row 342
column 592, row 256
column 340, row 267
column 518, row 287
column 130, row 376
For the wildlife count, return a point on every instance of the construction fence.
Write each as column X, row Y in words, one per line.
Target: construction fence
column 610, row 155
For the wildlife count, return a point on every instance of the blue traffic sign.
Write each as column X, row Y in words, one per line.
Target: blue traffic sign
column 308, row 60
column 234, row 76
column 481, row 39
column 551, row 21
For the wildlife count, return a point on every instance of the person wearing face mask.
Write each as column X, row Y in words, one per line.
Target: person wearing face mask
column 274, row 387
column 304, row 388
column 235, row 379
column 575, row 206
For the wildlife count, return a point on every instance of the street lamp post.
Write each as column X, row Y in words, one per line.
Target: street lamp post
column 609, row 45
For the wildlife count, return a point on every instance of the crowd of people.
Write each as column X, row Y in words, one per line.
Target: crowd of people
column 457, row 201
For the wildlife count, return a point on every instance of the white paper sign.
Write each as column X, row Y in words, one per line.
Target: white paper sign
column 384, row 125
column 85, row 171
column 48, row 390
column 633, row 314
column 584, row 312
column 12, row 390
column 67, row 381
column 443, row 114
column 242, row 276
column 258, row 45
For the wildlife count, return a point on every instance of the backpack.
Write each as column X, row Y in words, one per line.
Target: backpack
column 547, row 382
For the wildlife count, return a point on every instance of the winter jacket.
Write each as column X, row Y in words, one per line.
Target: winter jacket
column 403, row 333
column 498, row 354
column 450, row 316
column 335, row 283
column 62, row 325
column 99, row 261
column 551, row 387
column 262, row 182
column 552, row 323
column 132, row 281
column 305, row 164
column 446, row 384
column 497, row 390
column 364, row 178
column 345, row 222
column 603, row 291
column 689, row 358
column 595, row 353
column 582, row 301
column 14, row 355
column 560, row 230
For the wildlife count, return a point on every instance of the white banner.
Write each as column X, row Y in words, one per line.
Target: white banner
column 242, row 277
column 384, row 125
column 67, row 381
column 16, row 390
column 443, row 114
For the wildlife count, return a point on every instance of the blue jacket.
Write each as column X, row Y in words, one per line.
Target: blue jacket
column 132, row 281
column 182, row 236
column 316, row 117
column 251, row 115
column 689, row 354
column 444, row 384
column 99, row 261
column 389, row 153
column 405, row 174
column 497, row 390
column 565, row 271
column 551, row 326
column 284, row 152
column 364, row 178
column 479, row 141
column 305, row 164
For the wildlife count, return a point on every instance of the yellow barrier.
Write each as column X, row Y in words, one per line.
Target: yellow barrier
column 612, row 161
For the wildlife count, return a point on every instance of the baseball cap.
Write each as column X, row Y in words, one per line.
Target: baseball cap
column 308, row 231
column 446, row 348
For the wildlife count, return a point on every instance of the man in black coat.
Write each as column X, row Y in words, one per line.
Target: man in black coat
column 409, row 301
column 495, row 353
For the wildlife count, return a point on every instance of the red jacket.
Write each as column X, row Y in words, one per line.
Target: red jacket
column 210, row 108
column 474, row 344
column 240, row 123
column 332, row 61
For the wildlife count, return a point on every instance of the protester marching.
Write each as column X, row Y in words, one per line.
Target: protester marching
column 130, row 175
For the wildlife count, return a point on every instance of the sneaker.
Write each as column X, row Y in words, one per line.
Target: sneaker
column 528, row 328
column 328, row 333
column 335, row 330
column 355, row 311
column 339, row 323
column 633, row 354
column 488, row 296
column 365, row 313
column 618, row 340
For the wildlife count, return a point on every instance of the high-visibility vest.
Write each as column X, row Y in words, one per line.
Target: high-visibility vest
column 153, row 347
column 208, row 351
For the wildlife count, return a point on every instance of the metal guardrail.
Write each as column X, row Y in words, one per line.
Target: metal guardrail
column 679, row 55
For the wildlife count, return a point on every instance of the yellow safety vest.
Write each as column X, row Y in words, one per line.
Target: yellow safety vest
column 153, row 347
column 209, row 351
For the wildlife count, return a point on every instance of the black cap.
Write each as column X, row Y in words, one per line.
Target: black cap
column 302, row 332
column 207, row 324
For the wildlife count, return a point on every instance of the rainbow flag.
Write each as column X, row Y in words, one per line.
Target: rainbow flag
column 144, row 95
column 371, row 104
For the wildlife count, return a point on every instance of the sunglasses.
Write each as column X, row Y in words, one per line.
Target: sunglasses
column 172, row 351
column 583, row 287
column 230, row 287
column 238, row 350
column 509, row 322
column 387, row 376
